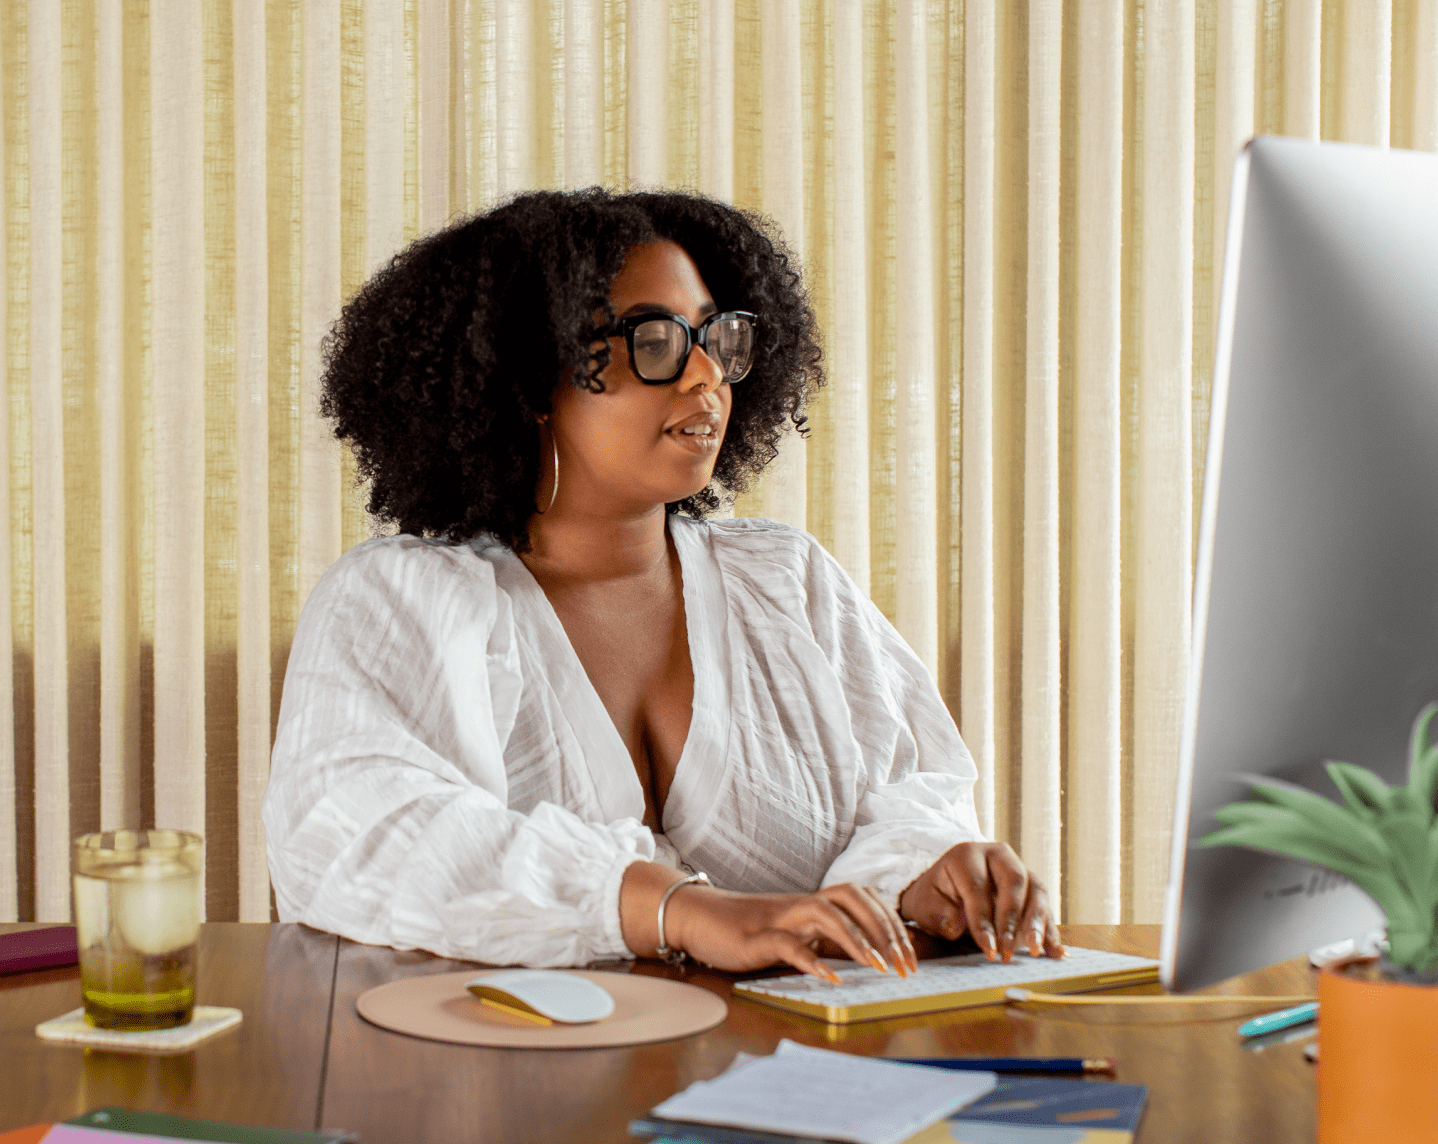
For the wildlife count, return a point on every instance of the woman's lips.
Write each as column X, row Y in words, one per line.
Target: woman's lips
column 699, row 442
column 702, row 438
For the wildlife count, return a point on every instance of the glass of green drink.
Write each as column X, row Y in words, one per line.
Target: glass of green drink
column 137, row 921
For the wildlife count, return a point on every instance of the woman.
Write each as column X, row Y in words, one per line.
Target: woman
column 510, row 730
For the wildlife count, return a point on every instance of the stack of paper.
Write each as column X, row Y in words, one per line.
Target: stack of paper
column 803, row 1094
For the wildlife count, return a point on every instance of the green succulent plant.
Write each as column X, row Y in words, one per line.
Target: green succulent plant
column 1383, row 839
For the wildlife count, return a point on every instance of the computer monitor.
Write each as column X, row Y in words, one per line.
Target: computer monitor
column 1315, row 621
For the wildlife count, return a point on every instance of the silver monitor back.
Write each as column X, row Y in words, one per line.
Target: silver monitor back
column 1316, row 585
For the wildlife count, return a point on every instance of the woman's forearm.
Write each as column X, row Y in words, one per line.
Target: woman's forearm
column 737, row 931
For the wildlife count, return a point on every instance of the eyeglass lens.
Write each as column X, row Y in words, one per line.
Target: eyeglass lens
column 662, row 344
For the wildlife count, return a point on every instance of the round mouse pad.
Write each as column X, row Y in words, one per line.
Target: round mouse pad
column 439, row 1008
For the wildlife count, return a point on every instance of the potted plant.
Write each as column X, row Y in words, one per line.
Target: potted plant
column 1378, row 1024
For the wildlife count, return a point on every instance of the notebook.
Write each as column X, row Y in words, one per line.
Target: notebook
column 126, row 1124
column 945, row 983
column 161, row 1130
column 38, row 949
column 1041, row 1110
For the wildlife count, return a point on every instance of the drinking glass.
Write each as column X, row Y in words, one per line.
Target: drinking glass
column 137, row 921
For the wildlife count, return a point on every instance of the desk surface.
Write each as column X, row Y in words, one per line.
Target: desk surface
column 303, row 1058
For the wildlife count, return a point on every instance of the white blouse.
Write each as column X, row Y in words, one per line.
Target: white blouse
column 445, row 776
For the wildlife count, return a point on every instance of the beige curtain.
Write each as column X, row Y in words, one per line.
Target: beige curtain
column 1011, row 217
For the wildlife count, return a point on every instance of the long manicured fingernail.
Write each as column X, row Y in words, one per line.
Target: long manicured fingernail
column 987, row 940
column 831, row 977
column 901, row 962
column 877, row 962
column 1036, row 940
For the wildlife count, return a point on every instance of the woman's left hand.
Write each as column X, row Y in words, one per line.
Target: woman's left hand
column 984, row 888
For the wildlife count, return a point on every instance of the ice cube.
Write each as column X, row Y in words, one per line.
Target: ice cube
column 157, row 907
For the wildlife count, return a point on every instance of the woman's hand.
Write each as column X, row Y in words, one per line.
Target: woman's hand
column 737, row 932
column 984, row 888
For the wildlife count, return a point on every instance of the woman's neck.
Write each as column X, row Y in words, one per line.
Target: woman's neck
column 585, row 547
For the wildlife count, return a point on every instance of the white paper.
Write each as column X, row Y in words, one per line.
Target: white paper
column 837, row 1096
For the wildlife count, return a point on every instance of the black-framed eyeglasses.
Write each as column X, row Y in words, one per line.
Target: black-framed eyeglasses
column 659, row 344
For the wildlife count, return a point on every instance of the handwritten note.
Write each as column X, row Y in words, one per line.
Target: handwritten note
column 801, row 1091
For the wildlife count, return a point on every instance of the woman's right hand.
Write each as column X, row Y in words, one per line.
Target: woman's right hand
column 737, row 932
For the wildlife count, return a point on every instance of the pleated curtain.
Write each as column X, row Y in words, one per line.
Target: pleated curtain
column 1011, row 218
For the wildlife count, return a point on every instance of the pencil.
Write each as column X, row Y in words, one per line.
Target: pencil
column 1016, row 1064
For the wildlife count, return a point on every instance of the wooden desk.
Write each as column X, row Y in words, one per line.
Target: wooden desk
column 267, row 1071
column 398, row 1090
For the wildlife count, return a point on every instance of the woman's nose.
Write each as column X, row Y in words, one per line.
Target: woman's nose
column 701, row 371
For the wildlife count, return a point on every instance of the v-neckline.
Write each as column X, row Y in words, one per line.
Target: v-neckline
column 615, row 777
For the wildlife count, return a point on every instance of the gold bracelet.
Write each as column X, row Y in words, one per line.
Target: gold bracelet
column 675, row 956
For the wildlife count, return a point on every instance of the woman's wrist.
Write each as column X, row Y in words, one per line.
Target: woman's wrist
column 671, row 948
column 899, row 901
column 685, row 906
column 640, row 891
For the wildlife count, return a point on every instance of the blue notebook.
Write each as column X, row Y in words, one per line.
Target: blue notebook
column 1045, row 1110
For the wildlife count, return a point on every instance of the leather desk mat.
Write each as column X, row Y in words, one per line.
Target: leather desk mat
column 439, row 1008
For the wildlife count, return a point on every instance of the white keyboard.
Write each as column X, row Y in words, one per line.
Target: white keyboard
column 946, row 983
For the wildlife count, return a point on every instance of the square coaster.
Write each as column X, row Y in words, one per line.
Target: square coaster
column 207, row 1021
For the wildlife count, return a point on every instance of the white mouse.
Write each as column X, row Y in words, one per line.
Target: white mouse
column 544, row 995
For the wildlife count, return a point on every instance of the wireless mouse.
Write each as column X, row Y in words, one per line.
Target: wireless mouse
column 544, row 995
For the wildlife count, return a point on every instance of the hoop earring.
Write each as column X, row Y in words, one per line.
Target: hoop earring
column 554, row 445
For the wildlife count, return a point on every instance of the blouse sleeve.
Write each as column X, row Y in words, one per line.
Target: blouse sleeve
column 386, row 813
column 917, row 777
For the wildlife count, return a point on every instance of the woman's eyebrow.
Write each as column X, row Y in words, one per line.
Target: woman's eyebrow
column 655, row 308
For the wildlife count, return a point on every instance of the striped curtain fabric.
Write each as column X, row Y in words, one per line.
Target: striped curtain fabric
column 1011, row 219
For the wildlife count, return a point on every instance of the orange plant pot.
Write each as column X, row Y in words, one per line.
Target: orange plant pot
column 1377, row 1059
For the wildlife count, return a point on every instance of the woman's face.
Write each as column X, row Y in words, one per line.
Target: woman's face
column 625, row 449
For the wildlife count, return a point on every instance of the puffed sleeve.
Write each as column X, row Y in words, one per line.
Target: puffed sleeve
column 386, row 813
column 916, row 776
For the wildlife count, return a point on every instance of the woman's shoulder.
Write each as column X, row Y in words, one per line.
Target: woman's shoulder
column 753, row 535
column 404, row 569
column 762, row 550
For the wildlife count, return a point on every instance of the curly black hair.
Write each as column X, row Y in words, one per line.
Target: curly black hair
column 439, row 367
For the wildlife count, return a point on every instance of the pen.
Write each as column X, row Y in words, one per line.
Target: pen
column 1283, row 1019
column 1304, row 1032
column 1016, row 1064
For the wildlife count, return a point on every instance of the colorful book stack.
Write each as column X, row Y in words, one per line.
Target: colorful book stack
column 743, row 1106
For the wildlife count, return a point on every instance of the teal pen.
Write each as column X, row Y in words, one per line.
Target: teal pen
column 1283, row 1019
